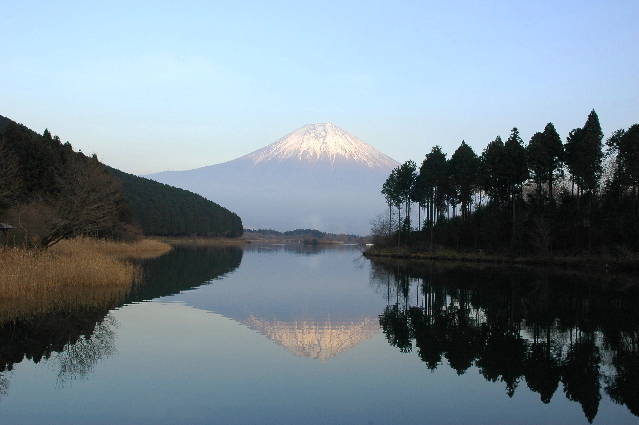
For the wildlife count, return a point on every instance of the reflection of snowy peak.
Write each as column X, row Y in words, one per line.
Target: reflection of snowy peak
column 315, row 340
column 325, row 143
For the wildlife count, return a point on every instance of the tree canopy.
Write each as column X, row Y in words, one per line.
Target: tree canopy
column 530, row 191
column 49, row 192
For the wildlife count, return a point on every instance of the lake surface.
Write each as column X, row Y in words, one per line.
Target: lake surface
column 293, row 334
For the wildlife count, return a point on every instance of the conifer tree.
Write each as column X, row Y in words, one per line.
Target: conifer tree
column 626, row 145
column 391, row 194
column 406, row 178
column 432, row 180
column 515, row 163
column 555, row 152
column 493, row 172
column 538, row 159
column 584, row 153
column 464, row 167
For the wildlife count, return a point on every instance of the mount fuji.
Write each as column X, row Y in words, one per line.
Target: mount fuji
column 319, row 176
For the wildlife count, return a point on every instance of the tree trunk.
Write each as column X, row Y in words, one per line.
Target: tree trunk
column 550, row 181
column 399, row 222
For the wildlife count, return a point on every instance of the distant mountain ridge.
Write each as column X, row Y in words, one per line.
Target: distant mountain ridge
column 318, row 176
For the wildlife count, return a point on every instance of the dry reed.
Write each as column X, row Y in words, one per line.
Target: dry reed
column 76, row 274
column 145, row 248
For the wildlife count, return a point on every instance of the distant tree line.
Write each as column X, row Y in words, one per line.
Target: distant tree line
column 307, row 235
column 542, row 196
column 49, row 192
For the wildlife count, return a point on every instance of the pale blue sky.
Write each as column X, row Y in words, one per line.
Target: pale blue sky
column 153, row 86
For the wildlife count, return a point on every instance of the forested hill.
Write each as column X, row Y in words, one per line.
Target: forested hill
column 50, row 192
column 161, row 209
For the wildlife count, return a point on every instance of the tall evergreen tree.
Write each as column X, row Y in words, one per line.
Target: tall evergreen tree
column 555, row 152
column 544, row 156
column 432, row 181
column 584, row 153
column 464, row 167
column 626, row 146
column 538, row 159
column 390, row 190
column 515, row 163
column 406, row 178
column 493, row 172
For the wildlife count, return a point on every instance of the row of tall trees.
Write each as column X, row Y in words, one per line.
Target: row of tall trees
column 541, row 195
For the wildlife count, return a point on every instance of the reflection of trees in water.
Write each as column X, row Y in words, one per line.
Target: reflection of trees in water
column 297, row 248
column 78, row 359
column 75, row 331
column 73, row 341
column 518, row 325
column 184, row 267
column 4, row 384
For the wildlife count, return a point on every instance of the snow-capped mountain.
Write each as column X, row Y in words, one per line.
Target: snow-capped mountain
column 323, row 145
column 319, row 176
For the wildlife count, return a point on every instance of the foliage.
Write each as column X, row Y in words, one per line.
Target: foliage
column 584, row 153
column 600, row 216
column 464, row 168
column 160, row 209
column 49, row 192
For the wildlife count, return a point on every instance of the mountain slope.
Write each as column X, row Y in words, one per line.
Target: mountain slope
column 160, row 209
column 44, row 184
column 319, row 176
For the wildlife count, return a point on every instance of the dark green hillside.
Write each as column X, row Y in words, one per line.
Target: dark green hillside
column 49, row 192
column 165, row 210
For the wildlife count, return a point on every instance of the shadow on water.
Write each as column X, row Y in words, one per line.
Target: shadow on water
column 184, row 267
column 73, row 342
column 75, row 331
column 516, row 325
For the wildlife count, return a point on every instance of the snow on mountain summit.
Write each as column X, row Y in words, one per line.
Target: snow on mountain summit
column 317, row 177
column 322, row 143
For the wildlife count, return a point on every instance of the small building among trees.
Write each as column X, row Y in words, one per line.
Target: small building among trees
column 5, row 229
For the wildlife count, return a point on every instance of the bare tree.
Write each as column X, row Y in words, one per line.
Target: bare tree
column 88, row 202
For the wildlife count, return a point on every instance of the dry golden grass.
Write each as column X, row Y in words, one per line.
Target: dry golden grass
column 75, row 274
column 146, row 248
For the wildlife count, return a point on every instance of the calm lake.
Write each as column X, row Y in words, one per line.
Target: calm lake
column 294, row 334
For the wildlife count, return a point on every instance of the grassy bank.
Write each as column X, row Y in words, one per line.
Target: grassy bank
column 622, row 261
column 78, row 273
column 145, row 248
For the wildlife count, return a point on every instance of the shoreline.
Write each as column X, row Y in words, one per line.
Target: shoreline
column 604, row 262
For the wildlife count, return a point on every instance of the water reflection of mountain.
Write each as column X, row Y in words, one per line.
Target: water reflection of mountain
column 519, row 325
column 184, row 267
column 299, row 296
column 315, row 340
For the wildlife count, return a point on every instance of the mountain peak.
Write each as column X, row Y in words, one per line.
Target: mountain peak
column 325, row 144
